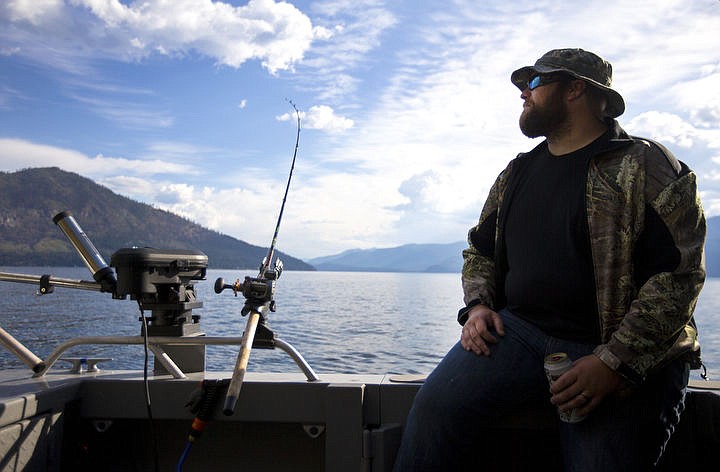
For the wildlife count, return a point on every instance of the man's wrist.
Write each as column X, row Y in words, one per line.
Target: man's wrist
column 613, row 362
column 464, row 312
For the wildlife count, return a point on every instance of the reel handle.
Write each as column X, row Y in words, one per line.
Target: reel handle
column 220, row 285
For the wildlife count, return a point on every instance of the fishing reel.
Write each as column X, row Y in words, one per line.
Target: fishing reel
column 258, row 291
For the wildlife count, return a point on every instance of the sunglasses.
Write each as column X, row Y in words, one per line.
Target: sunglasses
column 540, row 80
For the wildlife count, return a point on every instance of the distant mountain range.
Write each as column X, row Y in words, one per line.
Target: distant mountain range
column 29, row 199
column 407, row 258
column 448, row 257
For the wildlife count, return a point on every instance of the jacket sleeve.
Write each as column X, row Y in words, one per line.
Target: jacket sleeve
column 668, row 271
column 478, row 272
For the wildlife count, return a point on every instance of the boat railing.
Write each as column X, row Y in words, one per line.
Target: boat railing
column 155, row 343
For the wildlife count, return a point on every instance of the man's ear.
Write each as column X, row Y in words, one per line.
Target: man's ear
column 576, row 89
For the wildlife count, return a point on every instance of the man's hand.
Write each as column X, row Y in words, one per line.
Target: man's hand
column 476, row 332
column 584, row 386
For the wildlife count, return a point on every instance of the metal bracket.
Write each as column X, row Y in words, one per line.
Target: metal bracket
column 45, row 285
column 82, row 365
column 314, row 430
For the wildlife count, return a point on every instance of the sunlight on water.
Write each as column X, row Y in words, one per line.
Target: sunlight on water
column 706, row 317
column 339, row 321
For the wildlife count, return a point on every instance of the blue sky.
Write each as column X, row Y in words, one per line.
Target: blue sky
column 408, row 113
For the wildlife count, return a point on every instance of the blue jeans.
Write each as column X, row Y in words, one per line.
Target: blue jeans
column 467, row 392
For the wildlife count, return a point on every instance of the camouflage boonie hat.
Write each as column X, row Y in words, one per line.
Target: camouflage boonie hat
column 578, row 63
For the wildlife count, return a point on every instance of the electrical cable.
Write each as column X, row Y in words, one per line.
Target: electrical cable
column 184, row 456
column 146, row 382
column 202, row 402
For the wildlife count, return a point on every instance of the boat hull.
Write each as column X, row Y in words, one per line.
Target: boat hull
column 99, row 421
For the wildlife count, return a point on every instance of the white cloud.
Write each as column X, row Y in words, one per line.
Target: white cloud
column 332, row 212
column 674, row 130
column 704, row 107
column 324, row 118
column 16, row 154
column 175, row 193
column 320, row 117
column 174, row 151
column 711, row 201
column 241, row 212
column 8, row 95
column 666, row 127
column 355, row 28
column 697, row 146
column 139, row 188
column 127, row 113
column 430, row 193
column 35, row 12
column 276, row 33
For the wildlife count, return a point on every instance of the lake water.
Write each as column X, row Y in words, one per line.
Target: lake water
column 344, row 322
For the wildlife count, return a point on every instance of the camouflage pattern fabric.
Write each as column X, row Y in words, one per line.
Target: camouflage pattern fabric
column 641, row 327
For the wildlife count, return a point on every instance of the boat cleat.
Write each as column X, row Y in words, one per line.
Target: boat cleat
column 83, row 365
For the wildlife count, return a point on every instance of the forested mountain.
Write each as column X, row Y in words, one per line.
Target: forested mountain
column 29, row 199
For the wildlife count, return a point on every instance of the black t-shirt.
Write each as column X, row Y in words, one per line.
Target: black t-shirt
column 550, row 280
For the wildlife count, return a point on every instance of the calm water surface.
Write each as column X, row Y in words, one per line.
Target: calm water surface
column 345, row 322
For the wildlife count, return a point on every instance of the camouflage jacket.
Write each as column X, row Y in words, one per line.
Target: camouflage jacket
column 643, row 323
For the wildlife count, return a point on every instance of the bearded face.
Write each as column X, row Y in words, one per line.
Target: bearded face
column 543, row 117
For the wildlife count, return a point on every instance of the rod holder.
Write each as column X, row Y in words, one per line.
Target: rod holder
column 100, row 270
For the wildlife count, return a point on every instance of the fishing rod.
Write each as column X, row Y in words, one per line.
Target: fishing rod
column 271, row 251
column 258, row 293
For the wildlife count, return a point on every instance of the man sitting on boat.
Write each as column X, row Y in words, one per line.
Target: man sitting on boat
column 591, row 245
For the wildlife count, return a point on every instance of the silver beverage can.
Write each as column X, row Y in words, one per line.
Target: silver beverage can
column 555, row 365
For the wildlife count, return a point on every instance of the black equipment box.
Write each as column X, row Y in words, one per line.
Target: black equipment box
column 142, row 270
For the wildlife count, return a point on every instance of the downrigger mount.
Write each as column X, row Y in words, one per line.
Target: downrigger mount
column 159, row 279
column 162, row 281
